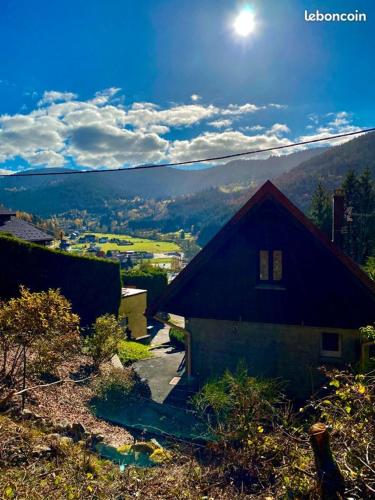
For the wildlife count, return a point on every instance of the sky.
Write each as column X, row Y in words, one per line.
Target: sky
column 114, row 83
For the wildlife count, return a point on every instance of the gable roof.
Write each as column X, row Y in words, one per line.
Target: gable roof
column 267, row 192
column 24, row 230
column 5, row 211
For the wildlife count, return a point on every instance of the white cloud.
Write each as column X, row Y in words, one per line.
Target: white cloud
column 235, row 109
column 221, row 123
column 106, row 145
column 252, row 128
column 104, row 96
column 4, row 171
column 195, row 97
column 54, row 96
column 329, row 125
column 279, row 129
column 47, row 158
column 102, row 132
column 213, row 144
column 277, row 106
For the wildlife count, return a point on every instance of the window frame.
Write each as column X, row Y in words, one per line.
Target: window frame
column 270, row 266
column 329, row 353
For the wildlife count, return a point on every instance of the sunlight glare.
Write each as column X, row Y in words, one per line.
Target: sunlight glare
column 244, row 23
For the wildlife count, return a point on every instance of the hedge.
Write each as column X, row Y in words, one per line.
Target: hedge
column 146, row 277
column 92, row 285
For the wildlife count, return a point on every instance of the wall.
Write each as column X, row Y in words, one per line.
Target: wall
column 134, row 307
column 288, row 352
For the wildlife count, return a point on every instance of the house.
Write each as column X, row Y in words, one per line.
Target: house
column 272, row 290
column 11, row 224
column 131, row 313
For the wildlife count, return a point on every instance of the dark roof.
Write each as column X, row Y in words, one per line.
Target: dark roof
column 24, row 230
column 267, row 192
column 5, row 211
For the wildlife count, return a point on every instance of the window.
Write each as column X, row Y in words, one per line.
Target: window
column 331, row 345
column 270, row 265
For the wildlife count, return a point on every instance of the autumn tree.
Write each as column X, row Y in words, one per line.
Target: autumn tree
column 37, row 329
column 106, row 335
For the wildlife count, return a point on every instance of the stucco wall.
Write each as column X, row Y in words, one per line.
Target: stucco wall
column 134, row 307
column 289, row 352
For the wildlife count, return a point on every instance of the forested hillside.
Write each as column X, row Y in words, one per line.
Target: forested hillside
column 47, row 195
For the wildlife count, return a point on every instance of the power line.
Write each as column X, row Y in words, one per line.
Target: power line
column 190, row 162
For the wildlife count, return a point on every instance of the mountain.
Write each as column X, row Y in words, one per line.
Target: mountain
column 47, row 195
column 330, row 167
column 207, row 211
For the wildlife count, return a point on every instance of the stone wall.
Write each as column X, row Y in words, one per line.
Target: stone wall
column 278, row 351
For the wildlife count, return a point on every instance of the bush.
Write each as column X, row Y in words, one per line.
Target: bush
column 118, row 384
column 105, row 338
column 147, row 277
column 129, row 352
column 177, row 338
column 92, row 285
column 237, row 405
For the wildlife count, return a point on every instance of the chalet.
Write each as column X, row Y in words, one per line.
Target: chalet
column 11, row 224
column 272, row 290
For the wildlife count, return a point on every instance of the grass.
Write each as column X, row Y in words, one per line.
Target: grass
column 139, row 244
column 129, row 352
column 177, row 338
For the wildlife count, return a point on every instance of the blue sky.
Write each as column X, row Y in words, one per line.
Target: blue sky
column 108, row 83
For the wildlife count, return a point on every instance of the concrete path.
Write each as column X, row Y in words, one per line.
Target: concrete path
column 163, row 368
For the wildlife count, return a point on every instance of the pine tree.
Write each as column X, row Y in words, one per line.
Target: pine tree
column 320, row 211
column 359, row 240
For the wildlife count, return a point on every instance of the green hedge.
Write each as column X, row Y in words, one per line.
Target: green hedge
column 92, row 285
column 146, row 277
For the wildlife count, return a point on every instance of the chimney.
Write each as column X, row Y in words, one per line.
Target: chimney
column 338, row 216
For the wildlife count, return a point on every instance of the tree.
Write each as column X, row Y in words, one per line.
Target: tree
column 359, row 240
column 37, row 329
column 320, row 211
column 351, row 190
column 366, row 216
column 106, row 335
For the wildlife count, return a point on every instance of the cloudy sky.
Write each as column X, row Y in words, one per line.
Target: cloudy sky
column 113, row 83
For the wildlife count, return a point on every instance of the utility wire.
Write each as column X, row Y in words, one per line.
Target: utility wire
column 189, row 162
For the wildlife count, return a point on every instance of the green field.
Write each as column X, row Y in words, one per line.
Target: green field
column 139, row 244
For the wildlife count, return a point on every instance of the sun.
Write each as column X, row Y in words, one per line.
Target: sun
column 244, row 23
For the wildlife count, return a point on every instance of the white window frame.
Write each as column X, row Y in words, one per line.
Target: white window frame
column 331, row 354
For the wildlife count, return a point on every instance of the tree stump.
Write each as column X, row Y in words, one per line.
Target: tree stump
column 330, row 480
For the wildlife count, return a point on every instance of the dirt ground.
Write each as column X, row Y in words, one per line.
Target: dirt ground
column 69, row 402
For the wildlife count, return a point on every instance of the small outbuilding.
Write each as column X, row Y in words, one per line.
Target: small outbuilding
column 132, row 312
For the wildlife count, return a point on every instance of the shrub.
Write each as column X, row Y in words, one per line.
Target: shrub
column 116, row 385
column 105, row 338
column 92, row 285
column 129, row 352
column 177, row 338
column 145, row 276
column 37, row 328
column 237, row 405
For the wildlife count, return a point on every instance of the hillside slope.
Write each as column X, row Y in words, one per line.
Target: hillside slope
column 48, row 195
column 330, row 167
